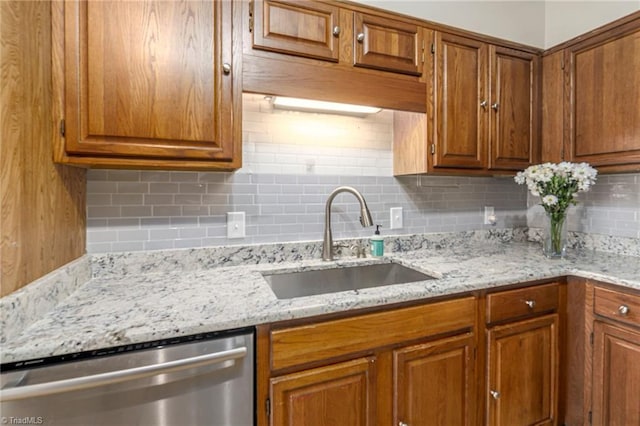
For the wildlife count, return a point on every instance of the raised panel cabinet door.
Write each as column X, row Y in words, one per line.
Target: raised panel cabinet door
column 513, row 115
column 523, row 372
column 388, row 45
column 616, row 375
column 149, row 79
column 461, row 101
column 302, row 28
column 338, row 394
column 434, row 382
column 605, row 98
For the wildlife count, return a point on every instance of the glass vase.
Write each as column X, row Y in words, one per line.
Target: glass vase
column 554, row 244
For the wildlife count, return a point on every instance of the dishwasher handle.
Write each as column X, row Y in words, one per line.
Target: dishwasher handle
column 119, row 376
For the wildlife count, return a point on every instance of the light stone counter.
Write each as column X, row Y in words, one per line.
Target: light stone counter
column 139, row 302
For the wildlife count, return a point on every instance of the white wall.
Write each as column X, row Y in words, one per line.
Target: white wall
column 568, row 19
column 538, row 23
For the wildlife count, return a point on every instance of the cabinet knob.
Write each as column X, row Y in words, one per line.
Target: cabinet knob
column 483, row 104
column 360, row 37
column 530, row 303
column 403, row 424
column 624, row 310
column 226, row 68
column 495, row 106
column 336, row 31
column 495, row 394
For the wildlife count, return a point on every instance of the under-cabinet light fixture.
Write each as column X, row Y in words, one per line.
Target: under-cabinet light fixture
column 308, row 105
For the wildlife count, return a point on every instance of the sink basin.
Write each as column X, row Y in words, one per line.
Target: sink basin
column 323, row 281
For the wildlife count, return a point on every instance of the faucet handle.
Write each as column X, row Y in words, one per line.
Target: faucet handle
column 358, row 249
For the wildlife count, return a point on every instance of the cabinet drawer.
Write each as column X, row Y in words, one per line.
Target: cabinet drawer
column 522, row 302
column 617, row 306
column 328, row 339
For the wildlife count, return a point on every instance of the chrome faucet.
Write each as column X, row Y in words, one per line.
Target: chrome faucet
column 365, row 218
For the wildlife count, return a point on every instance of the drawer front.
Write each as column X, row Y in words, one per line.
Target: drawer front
column 617, row 306
column 328, row 339
column 522, row 302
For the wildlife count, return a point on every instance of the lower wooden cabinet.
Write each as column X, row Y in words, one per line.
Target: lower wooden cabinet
column 434, row 382
column 413, row 365
column 523, row 372
column 616, row 358
column 338, row 394
column 616, row 375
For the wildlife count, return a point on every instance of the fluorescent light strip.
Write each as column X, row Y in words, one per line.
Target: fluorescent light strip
column 321, row 106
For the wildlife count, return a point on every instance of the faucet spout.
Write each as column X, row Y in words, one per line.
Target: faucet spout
column 365, row 218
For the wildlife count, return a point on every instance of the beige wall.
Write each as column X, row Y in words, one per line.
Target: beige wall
column 533, row 22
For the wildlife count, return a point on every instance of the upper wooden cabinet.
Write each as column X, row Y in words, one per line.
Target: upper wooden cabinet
column 334, row 51
column 603, row 112
column 309, row 29
column 483, row 118
column 387, row 44
column 147, row 84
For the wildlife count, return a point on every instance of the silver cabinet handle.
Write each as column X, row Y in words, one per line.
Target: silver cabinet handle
column 483, row 104
column 530, row 303
column 336, row 31
column 495, row 106
column 111, row 377
column 494, row 394
column 360, row 37
column 624, row 310
column 226, row 68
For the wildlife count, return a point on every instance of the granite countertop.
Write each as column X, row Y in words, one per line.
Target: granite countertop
column 117, row 309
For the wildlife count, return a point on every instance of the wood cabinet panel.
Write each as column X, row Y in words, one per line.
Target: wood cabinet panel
column 297, row 28
column 461, row 91
column 514, row 109
column 523, row 372
column 43, row 205
column 522, row 302
column 336, row 394
column 604, row 112
column 434, row 382
column 324, row 340
column 386, row 44
column 145, row 81
column 616, row 375
column 622, row 307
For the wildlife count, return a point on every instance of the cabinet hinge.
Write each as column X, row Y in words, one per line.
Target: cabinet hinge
column 591, row 339
column 267, row 407
column 62, row 128
column 562, row 63
column 433, row 148
column 423, row 47
column 590, row 417
column 251, row 17
column 433, row 48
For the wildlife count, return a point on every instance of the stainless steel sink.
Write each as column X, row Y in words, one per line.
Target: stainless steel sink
column 288, row 285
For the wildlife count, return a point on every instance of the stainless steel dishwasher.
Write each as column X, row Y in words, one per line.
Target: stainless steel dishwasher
column 201, row 380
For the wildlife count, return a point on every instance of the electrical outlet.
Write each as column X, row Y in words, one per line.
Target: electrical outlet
column 235, row 225
column 489, row 215
column 395, row 218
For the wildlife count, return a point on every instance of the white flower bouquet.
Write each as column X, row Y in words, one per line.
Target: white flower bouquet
column 557, row 185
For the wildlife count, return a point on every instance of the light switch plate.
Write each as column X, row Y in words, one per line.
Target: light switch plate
column 235, row 225
column 395, row 219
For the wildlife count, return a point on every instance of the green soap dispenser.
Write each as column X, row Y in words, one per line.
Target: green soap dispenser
column 377, row 243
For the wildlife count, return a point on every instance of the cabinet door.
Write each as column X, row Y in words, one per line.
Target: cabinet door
column 523, row 372
column 616, row 375
column 604, row 110
column 308, row 28
column 145, row 80
column 462, row 102
column 339, row 394
column 386, row 44
column 434, row 382
column 514, row 116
